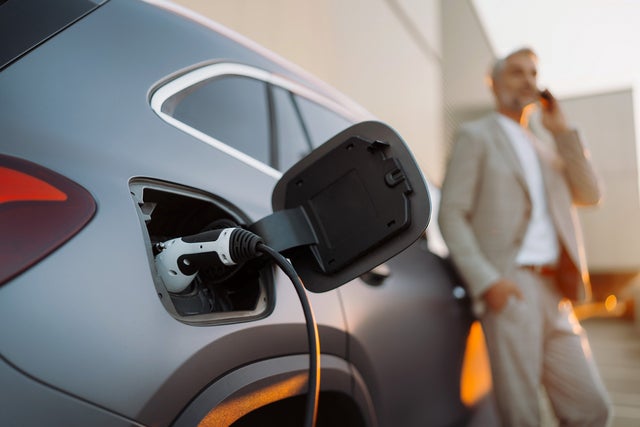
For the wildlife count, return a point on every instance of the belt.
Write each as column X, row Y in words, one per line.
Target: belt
column 542, row 270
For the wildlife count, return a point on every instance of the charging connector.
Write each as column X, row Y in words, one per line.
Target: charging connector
column 180, row 259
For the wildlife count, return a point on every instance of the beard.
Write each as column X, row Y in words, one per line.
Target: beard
column 513, row 102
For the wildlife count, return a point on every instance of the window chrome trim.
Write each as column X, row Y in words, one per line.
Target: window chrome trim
column 206, row 72
column 353, row 110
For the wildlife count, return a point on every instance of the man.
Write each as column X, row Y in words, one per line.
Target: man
column 507, row 216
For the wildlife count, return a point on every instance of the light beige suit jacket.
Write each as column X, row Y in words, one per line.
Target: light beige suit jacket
column 485, row 206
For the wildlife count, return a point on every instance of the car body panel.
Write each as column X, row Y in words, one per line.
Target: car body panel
column 100, row 340
column 87, row 321
column 30, row 399
column 411, row 371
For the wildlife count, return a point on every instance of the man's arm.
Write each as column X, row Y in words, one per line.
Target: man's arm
column 459, row 191
column 579, row 172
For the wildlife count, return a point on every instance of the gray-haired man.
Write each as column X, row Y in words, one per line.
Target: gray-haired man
column 508, row 217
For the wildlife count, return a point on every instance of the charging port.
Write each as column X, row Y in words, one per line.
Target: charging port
column 219, row 294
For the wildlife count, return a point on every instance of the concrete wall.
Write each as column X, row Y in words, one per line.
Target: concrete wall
column 385, row 54
column 467, row 56
column 612, row 230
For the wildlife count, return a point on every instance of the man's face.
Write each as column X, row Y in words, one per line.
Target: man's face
column 515, row 86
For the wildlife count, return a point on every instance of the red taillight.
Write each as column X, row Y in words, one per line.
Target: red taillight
column 39, row 211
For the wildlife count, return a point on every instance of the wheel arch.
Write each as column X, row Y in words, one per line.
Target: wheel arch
column 253, row 387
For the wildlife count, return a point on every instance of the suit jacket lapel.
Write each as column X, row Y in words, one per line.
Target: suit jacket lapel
column 506, row 149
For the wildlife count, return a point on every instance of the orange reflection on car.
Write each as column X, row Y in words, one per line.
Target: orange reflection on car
column 475, row 381
column 236, row 407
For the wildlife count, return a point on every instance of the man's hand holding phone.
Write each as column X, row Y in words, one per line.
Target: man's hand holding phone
column 552, row 116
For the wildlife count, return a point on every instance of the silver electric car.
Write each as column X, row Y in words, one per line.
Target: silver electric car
column 127, row 128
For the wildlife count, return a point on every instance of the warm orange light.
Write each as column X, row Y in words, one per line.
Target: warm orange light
column 610, row 303
column 475, row 381
column 234, row 408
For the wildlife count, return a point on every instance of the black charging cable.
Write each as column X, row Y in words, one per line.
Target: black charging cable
column 245, row 245
column 313, row 391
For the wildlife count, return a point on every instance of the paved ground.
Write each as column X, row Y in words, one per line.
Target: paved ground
column 615, row 344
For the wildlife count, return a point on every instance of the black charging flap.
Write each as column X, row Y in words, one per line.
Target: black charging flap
column 348, row 206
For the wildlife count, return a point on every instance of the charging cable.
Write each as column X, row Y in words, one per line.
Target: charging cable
column 313, row 391
column 180, row 259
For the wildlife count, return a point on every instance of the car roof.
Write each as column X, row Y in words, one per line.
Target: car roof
column 25, row 24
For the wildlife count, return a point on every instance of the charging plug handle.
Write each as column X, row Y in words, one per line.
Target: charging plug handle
column 181, row 258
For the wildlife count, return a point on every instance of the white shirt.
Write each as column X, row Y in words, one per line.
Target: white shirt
column 540, row 244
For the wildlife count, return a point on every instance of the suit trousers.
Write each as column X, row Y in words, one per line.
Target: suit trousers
column 536, row 341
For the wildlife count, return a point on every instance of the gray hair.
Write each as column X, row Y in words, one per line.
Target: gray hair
column 498, row 65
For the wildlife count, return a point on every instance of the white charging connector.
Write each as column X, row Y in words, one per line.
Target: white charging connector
column 181, row 258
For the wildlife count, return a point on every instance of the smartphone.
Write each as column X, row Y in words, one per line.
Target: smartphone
column 546, row 98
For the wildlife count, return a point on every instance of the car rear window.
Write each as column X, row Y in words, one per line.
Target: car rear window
column 258, row 117
column 232, row 109
column 321, row 122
